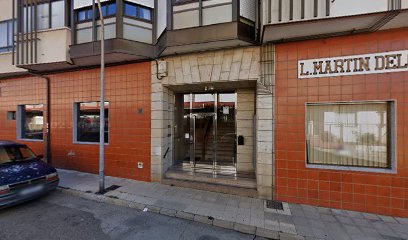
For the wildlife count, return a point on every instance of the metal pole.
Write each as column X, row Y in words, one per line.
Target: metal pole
column 102, row 107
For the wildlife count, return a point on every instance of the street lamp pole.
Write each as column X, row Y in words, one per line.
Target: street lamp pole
column 102, row 107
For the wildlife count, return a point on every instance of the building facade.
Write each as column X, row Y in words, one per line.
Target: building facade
column 299, row 101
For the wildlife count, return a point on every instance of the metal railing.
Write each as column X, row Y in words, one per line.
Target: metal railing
column 282, row 11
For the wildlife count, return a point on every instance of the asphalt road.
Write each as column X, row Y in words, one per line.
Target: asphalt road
column 63, row 216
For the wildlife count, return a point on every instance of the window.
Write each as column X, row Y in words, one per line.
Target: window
column 137, row 11
column 350, row 134
column 6, row 36
column 130, row 10
column 43, row 16
column 87, row 122
column 145, row 13
column 57, row 14
column 108, row 10
column 31, row 122
column 111, row 9
column 84, row 14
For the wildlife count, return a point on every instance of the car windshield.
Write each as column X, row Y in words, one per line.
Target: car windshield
column 11, row 154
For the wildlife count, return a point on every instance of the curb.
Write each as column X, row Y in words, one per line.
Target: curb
column 247, row 229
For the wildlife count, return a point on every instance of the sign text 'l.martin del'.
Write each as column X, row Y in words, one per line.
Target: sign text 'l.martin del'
column 396, row 61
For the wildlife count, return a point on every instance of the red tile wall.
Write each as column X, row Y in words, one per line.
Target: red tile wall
column 128, row 90
column 361, row 191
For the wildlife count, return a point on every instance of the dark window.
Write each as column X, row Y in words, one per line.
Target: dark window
column 137, row 11
column 88, row 122
column 31, row 125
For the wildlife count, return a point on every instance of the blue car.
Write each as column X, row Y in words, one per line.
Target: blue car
column 23, row 175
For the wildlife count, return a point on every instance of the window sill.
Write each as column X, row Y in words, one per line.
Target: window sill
column 30, row 140
column 6, row 52
column 353, row 169
column 89, row 143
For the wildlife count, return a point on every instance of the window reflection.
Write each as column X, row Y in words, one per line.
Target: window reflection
column 88, row 121
column 32, row 122
column 349, row 135
column 203, row 102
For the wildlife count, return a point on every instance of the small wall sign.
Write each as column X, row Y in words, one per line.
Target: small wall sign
column 385, row 62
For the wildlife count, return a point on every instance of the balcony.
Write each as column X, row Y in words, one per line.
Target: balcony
column 41, row 39
column 7, row 68
column 129, row 32
column 197, row 25
column 291, row 20
column 37, row 55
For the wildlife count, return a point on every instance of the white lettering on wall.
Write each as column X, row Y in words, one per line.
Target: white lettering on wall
column 396, row 61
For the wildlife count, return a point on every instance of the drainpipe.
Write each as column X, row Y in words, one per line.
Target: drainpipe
column 48, row 113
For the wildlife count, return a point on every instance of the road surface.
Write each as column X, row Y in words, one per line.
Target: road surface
column 62, row 216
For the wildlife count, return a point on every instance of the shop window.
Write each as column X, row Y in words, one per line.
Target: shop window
column 351, row 134
column 87, row 122
column 30, row 122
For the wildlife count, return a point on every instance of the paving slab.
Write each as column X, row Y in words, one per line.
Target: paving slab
column 243, row 214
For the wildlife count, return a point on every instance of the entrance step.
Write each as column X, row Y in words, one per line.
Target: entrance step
column 243, row 184
column 244, row 192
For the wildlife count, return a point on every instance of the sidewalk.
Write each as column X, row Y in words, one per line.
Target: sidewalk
column 247, row 215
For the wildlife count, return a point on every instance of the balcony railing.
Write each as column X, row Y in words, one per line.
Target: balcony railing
column 40, row 25
column 284, row 11
column 196, row 13
column 290, row 20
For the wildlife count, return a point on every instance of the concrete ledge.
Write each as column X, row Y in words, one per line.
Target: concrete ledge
column 243, row 228
column 223, row 224
column 203, row 219
column 185, row 215
column 153, row 209
column 267, row 233
column 168, row 212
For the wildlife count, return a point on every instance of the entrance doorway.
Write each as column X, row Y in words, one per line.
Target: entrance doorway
column 206, row 131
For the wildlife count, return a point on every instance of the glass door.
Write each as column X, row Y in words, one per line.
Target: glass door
column 204, row 140
column 226, row 130
column 207, row 132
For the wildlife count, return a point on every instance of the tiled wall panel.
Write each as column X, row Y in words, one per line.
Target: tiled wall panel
column 128, row 90
column 362, row 191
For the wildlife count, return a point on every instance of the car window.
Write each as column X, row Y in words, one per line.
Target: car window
column 15, row 153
